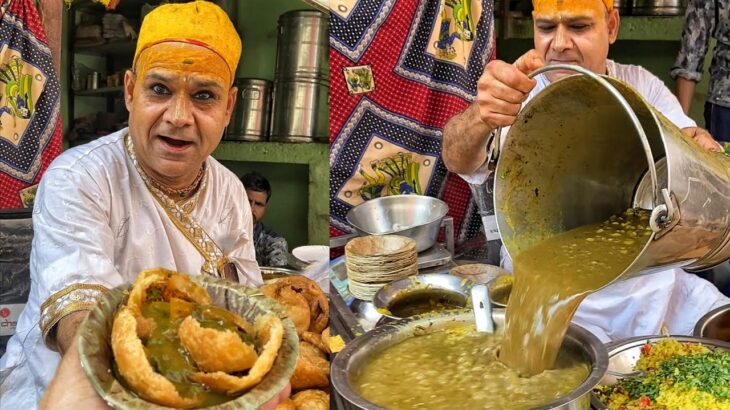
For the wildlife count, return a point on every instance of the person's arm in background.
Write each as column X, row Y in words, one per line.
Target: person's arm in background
column 685, row 92
column 699, row 23
column 275, row 249
column 500, row 92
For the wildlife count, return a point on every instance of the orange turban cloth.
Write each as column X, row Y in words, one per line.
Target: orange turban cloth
column 568, row 4
column 201, row 23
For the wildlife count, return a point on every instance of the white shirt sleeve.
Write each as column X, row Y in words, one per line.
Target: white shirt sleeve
column 653, row 90
column 479, row 176
column 72, row 257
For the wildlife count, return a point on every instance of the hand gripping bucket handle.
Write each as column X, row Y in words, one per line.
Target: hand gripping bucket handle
column 662, row 212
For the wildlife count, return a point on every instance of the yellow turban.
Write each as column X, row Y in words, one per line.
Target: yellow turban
column 200, row 23
column 567, row 4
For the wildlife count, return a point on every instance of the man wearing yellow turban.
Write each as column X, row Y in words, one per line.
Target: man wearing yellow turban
column 144, row 197
column 579, row 32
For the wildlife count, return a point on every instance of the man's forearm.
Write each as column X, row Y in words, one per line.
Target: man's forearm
column 685, row 92
column 66, row 328
column 464, row 141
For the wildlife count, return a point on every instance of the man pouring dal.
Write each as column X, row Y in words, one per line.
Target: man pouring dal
column 580, row 32
column 144, row 197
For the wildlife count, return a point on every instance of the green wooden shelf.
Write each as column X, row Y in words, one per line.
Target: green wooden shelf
column 114, row 48
column 313, row 155
column 654, row 28
column 101, row 92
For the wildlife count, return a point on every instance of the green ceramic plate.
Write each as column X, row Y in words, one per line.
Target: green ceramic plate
column 96, row 353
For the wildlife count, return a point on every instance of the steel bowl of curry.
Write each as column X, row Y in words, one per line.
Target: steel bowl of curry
column 180, row 341
column 441, row 362
column 421, row 294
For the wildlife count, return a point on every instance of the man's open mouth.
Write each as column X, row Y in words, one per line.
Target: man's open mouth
column 174, row 142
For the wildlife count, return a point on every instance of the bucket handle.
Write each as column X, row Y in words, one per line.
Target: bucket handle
column 494, row 143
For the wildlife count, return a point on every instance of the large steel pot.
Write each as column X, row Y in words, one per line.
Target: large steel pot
column 715, row 324
column 362, row 348
column 588, row 147
column 251, row 116
column 658, row 7
column 301, row 106
column 415, row 216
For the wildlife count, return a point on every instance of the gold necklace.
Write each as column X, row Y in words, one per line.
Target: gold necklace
column 163, row 188
column 174, row 192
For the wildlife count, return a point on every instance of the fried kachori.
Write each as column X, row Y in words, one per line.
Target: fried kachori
column 173, row 347
column 270, row 331
column 287, row 404
column 311, row 400
column 312, row 369
column 216, row 350
column 283, row 291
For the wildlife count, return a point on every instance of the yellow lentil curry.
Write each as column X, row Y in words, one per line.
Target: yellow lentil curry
column 554, row 276
column 458, row 369
column 422, row 301
column 170, row 359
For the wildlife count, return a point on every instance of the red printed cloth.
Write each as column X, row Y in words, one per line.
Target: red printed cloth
column 30, row 119
column 399, row 69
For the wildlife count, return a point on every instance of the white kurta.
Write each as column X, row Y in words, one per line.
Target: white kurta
column 641, row 305
column 96, row 226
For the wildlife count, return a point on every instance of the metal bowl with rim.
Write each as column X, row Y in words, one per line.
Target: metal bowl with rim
column 97, row 357
column 500, row 289
column 432, row 290
column 478, row 272
column 360, row 350
column 715, row 324
column 414, row 216
column 624, row 354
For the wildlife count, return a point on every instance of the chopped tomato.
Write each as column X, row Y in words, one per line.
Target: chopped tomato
column 644, row 402
column 646, row 349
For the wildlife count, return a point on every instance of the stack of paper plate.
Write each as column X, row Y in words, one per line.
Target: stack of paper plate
column 374, row 261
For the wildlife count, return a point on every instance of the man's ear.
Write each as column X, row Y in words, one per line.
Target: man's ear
column 129, row 79
column 232, row 94
column 614, row 21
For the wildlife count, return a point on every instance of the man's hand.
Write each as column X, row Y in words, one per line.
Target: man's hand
column 279, row 398
column 70, row 389
column 702, row 137
column 64, row 333
column 503, row 88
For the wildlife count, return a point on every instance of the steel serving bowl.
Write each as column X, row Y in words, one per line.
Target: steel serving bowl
column 478, row 272
column 715, row 324
column 623, row 355
column 360, row 350
column 439, row 284
column 415, row 216
column 97, row 357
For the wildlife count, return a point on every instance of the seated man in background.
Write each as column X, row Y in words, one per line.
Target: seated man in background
column 271, row 248
column 580, row 32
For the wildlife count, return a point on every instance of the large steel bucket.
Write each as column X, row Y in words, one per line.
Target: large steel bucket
column 359, row 351
column 590, row 146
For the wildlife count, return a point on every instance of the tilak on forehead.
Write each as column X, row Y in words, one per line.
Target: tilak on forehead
column 200, row 23
column 554, row 6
